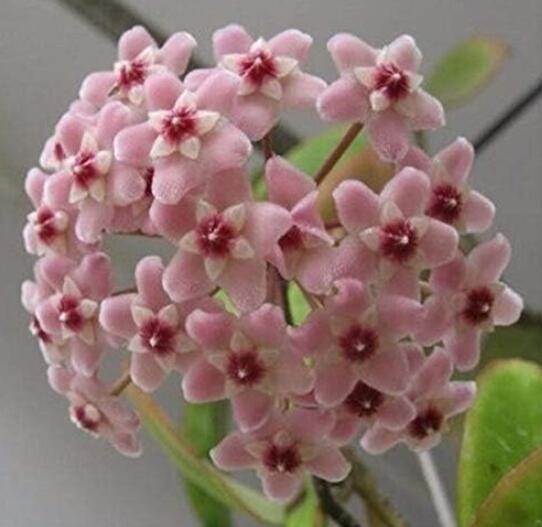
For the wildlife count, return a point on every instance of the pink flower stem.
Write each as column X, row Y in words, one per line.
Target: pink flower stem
column 338, row 152
column 120, row 384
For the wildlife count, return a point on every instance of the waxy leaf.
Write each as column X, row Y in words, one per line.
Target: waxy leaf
column 203, row 426
column 517, row 499
column 198, row 471
column 466, row 69
column 306, row 512
column 502, row 428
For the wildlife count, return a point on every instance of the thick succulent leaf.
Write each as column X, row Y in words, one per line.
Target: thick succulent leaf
column 203, row 426
column 517, row 498
column 503, row 427
column 466, row 69
column 306, row 512
column 199, row 471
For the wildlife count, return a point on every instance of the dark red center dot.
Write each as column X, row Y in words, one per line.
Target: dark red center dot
column 392, row 81
column 39, row 332
column 45, row 226
column 282, row 458
column 358, row 343
column 446, row 203
column 84, row 169
column 257, row 67
column 58, row 152
column 148, row 176
column 398, row 241
column 363, row 400
column 179, row 124
column 245, row 368
column 132, row 74
column 87, row 417
column 69, row 314
column 214, row 236
column 426, row 423
column 478, row 306
column 292, row 240
column 157, row 336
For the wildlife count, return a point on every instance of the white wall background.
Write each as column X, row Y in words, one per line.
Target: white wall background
column 52, row 476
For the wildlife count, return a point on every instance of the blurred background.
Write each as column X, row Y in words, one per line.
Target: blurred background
column 50, row 474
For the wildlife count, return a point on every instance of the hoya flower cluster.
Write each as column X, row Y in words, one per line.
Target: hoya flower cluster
column 397, row 306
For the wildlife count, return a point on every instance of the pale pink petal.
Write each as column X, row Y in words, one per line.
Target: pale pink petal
column 230, row 453
column 97, row 86
column 436, row 321
column 396, row 413
column 404, row 52
column 146, row 372
column 226, row 147
column 69, row 132
column 460, row 396
column 265, row 224
column 388, row 135
column 94, row 275
column 148, row 277
column 349, row 51
column 231, row 39
column 255, row 115
column 133, row 42
column 464, row 346
column 345, row 430
column 127, row 444
column 33, row 185
column 357, row 205
column 333, row 384
column 399, row 315
column 489, row 259
column 265, row 326
column 423, row 111
column 173, row 221
column 456, row 160
column 228, row 187
column 174, row 177
column 56, row 190
column 291, row 43
column 134, row 144
column 93, row 219
column 85, row 358
column 293, row 375
column 417, row 158
column 409, row 190
column 212, row 331
column 316, row 270
column 185, row 277
column 439, row 243
column 53, row 269
column 312, row 336
column 404, row 282
column 217, row 92
column 451, row 276
column 245, row 283
column 301, row 90
column 203, row 383
column 387, row 371
column 47, row 314
column 251, row 409
column 379, row 439
column 286, row 185
column 329, row 464
column 344, row 100
column 354, row 260
column 176, row 51
column 60, row 378
column 126, row 184
column 433, row 375
column 116, row 316
column 195, row 78
column 281, row 486
column 112, row 118
column 478, row 212
column 307, row 423
column 162, row 91
column 507, row 308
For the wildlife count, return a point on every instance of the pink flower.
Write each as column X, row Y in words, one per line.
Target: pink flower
column 270, row 78
column 186, row 137
column 290, row 446
column 139, row 57
column 223, row 242
column 247, row 360
column 93, row 410
column 452, row 201
column 436, row 399
column 391, row 231
column 355, row 338
column 304, row 251
column 69, row 313
column 380, row 88
column 468, row 299
column 151, row 326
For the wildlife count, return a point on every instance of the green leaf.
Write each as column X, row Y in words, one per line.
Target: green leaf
column 203, row 425
column 517, row 498
column 466, row 69
column 198, row 471
column 299, row 307
column 501, row 429
column 306, row 512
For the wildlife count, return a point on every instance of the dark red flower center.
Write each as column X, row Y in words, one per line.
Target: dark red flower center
column 214, row 236
column 478, row 306
column 84, row 168
column 245, row 368
column 45, row 225
column 426, row 423
column 179, row 124
column 157, row 336
column 87, row 417
column 257, row 66
column 392, row 81
column 282, row 458
column 58, row 152
column 39, row 332
column 292, row 240
column 132, row 73
column 358, row 343
column 398, row 241
column 69, row 314
column 363, row 400
column 446, row 203
column 148, row 176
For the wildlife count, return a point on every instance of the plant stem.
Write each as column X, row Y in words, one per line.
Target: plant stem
column 120, row 384
column 267, row 146
column 331, row 507
column 436, row 489
column 365, row 486
column 336, row 154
